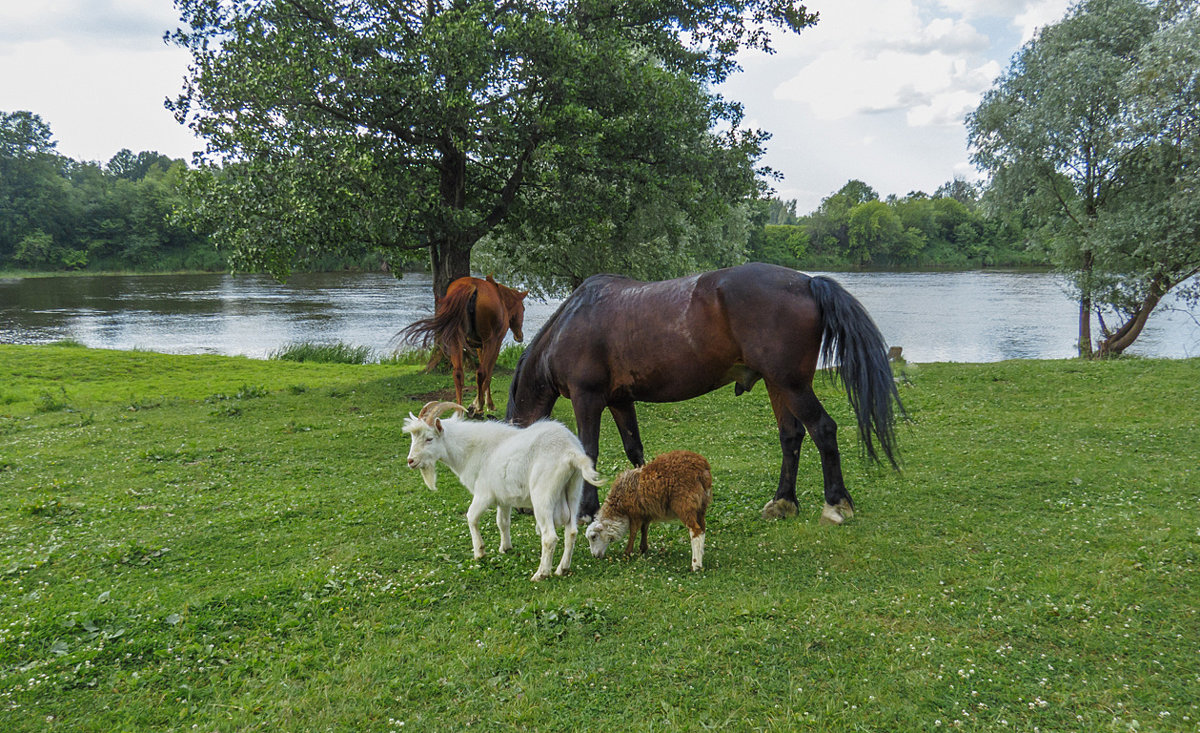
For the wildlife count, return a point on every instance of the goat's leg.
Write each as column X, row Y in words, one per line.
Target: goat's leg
column 545, row 526
column 474, row 514
column 503, row 522
column 571, row 525
column 570, row 530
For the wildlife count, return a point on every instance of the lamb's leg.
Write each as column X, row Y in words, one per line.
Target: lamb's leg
column 697, row 549
column 634, row 526
column 504, row 521
column 474, row 514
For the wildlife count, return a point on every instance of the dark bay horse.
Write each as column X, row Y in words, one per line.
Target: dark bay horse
column 473, row 314
column 615, row 341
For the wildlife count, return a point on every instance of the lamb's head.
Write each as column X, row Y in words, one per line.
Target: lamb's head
column 427, row 435
column 604, row 530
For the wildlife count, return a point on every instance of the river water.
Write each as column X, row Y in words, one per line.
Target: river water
column 978, row 316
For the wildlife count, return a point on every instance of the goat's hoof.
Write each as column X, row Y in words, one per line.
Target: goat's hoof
column 779, row 509
column 832, row 515
column 539, row 576
column 561, row 571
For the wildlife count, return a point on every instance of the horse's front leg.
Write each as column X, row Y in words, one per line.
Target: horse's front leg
column 626, row 419
column 588, row 409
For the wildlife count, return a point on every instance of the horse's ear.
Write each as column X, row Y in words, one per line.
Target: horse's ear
column 491, row 279
column 522, row 293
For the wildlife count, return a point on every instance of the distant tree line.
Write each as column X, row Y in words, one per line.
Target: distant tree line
column 854, row 229
column 60, row 214
column 138, row 212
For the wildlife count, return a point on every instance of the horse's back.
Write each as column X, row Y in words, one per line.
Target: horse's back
column 676, row 339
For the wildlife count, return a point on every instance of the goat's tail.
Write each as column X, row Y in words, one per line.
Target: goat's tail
column 853, row 345
column 588, row 469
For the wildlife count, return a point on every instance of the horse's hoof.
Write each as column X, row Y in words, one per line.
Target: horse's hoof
column 779, row 509
column 832, row 515
column 845, row 508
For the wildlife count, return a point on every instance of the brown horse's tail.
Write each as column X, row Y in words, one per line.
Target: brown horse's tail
column 853, row 345
column 446, row 328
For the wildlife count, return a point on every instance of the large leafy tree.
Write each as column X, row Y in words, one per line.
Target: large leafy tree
column 426, row 126
column 1092, row 135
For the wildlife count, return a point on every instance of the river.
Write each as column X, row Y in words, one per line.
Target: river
column 977, row 316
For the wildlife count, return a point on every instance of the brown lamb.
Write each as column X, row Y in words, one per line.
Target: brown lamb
column 675, row 485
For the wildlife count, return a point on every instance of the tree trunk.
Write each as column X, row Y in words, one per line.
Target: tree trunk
column 1085, row 308
column 451, row 259
column 1121, row 339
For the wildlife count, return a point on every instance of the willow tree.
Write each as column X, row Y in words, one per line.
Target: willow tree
column 425, row 126
column 1092, row 134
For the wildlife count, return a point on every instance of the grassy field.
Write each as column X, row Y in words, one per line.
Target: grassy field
column 223, row 544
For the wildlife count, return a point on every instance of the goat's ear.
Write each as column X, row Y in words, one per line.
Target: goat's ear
column 438, row 424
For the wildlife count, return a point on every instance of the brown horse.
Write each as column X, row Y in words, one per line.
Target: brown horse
column 473, row 314
column 616, row 341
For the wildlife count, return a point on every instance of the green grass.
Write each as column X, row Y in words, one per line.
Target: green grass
column 334, row 353
column 210, row 543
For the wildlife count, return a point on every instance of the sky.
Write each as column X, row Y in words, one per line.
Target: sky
column 876, row 91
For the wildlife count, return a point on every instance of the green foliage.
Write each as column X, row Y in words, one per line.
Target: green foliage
column 353, row 126
column 1034, row 566
column 1092, row 136
column 853, row 229
column 59, row 214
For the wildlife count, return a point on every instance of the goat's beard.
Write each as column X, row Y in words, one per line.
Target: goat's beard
column 429, row 473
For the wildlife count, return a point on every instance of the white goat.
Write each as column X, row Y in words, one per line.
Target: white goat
column 541, row 467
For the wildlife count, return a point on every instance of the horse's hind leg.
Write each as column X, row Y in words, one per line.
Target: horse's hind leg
column 823, row 429
column 455, row 352
column 483, row 376
column 791, row 435
column 796, row 411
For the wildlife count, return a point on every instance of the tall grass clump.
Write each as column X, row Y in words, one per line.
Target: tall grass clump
column 334, row 353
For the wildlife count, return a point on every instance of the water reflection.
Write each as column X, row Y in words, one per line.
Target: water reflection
column 960, row 316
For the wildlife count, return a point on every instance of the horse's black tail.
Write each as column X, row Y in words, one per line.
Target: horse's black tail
column 853, row 344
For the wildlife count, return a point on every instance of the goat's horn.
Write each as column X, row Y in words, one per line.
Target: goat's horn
column 432, row 410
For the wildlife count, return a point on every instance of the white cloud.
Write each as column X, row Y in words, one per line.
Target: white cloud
column 933, row 87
